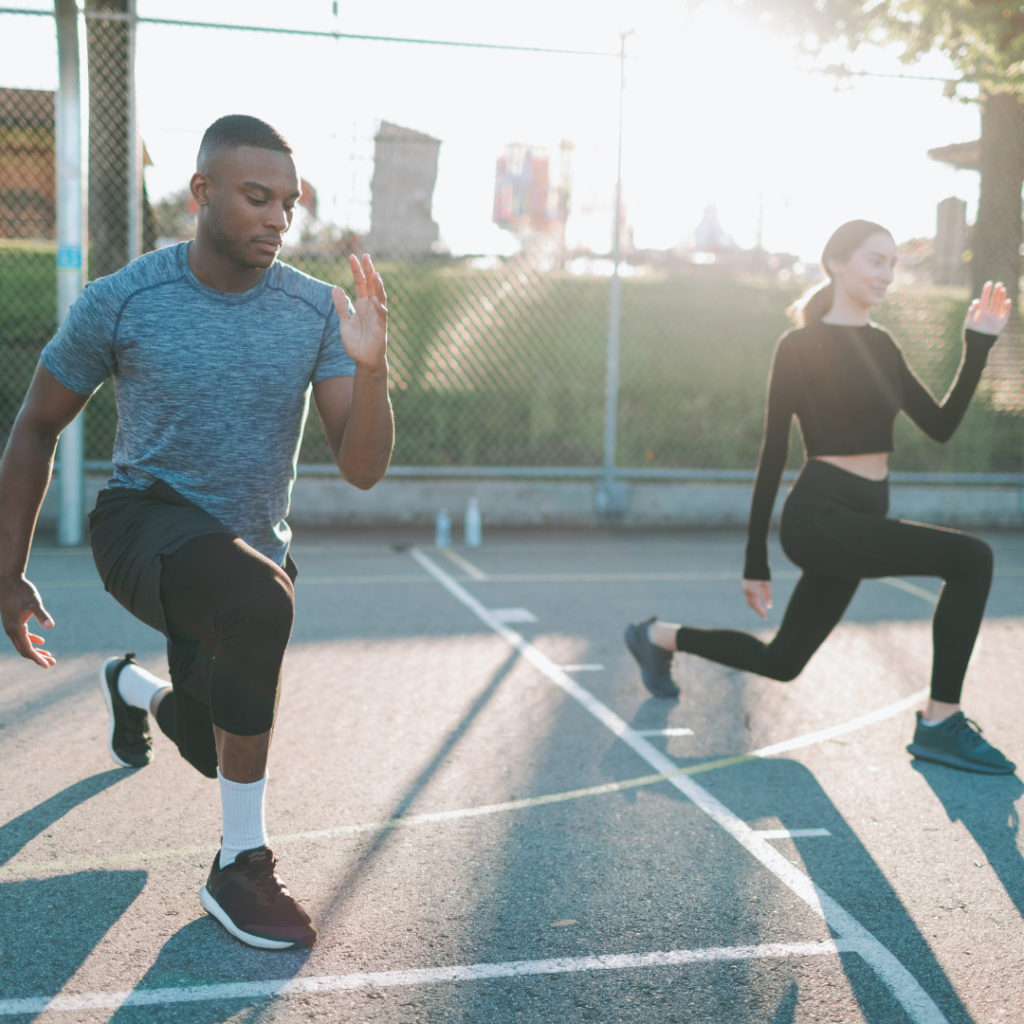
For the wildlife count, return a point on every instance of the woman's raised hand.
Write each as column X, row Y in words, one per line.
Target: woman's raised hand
column 989, row 313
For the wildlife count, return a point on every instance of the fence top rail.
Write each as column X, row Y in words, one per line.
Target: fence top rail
column 321, row 33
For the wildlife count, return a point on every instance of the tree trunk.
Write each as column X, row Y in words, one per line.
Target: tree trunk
column 997, row 230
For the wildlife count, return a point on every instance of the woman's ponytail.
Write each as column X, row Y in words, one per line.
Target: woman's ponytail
column 813, row 305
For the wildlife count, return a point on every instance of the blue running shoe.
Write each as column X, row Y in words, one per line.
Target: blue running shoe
column 956, row 742
column 655, row 662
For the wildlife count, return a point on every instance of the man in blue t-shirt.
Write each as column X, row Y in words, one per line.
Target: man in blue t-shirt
column 214, row 349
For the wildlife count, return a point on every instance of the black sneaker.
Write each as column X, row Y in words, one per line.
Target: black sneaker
column 252, row 902
column 655, row 663
column 956, row 742
column 129, row 741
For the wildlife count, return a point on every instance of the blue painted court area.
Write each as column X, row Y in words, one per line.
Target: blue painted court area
column 490, row 821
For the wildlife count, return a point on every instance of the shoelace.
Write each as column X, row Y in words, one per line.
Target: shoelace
column 261, row 869
column 968, row 727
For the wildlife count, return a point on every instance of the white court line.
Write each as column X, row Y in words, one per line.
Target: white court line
column 514, row 614
column 49, row 868
column 250, row 990
column 792, row 833
column 904, row 987
column 910, row 588
column 585, row 667
column 838, row 730
column 918, row 1005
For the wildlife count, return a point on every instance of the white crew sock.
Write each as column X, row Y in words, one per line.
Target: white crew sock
column 244, row 823
column 138, row 687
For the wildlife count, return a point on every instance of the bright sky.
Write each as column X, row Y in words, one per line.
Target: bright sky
column 716, row 111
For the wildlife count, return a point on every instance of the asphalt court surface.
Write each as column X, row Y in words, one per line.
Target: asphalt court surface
column 490, row 820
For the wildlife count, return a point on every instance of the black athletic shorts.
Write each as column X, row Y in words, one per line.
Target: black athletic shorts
column 131, row 532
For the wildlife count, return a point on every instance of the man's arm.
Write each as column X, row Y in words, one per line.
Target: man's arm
column 355, row 412
column 24, row 477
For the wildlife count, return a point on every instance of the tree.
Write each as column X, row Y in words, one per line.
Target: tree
column 984, row 40
column 175, row 215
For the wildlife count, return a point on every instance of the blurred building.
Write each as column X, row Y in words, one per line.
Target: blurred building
column 402, row 193
column 952, row 233
column 532, row 189
column 710, row 236
column 949, row 264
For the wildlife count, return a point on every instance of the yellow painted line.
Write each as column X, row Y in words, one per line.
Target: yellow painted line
column 887, row 967
column 464, row 564
column 51, row 867
column 60, row 867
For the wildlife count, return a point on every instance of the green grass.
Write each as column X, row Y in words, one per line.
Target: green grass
column 507, row 367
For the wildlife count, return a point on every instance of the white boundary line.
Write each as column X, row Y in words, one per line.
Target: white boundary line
column 903, row 986
column 901, row 983
column 665, row 732
column 793, row 833
column 31, row 869
column 249, row 990
column 810, row 738
column 910, row 588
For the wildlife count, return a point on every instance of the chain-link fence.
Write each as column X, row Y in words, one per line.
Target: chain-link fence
column 486, row 189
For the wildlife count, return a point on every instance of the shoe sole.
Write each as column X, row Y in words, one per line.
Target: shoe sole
column 212, row 907
column 630, row 638
column 109, row 701
column 952, row 761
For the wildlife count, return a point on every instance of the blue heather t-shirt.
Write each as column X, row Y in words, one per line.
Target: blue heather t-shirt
column 212, row 387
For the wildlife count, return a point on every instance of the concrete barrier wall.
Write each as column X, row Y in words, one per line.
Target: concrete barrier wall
column 327, row 501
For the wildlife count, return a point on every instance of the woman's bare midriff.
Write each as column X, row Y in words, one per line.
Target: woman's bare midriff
column 873, row 466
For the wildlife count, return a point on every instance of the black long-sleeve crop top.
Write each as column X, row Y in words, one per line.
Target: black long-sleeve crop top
column 845, row 386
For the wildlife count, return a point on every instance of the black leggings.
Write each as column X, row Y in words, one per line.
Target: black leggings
column 834, row 527
column 225, row 610
column 229, row 613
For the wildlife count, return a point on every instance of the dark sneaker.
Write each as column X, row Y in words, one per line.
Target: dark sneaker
column 251, row 901
column 655, row 663
column 957, row 742
column 129, row 741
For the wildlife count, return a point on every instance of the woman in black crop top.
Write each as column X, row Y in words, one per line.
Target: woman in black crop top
column 845, row 380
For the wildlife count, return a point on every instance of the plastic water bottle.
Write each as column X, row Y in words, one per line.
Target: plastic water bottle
column 474, row 526
column 443, row 529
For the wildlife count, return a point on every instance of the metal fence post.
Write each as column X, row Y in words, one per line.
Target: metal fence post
column 135, row 155
column 612, row 496
column 71, row 263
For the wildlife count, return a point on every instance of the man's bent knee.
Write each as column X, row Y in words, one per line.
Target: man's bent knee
column 268, row 605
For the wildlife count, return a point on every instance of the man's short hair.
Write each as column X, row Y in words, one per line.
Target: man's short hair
column 236, row 130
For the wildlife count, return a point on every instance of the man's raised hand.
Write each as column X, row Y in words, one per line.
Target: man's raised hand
column 364, row 323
